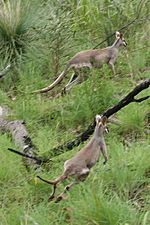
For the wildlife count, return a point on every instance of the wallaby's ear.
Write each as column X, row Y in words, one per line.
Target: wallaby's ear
column 117, row 34
column 98, row 118
column 104, row 120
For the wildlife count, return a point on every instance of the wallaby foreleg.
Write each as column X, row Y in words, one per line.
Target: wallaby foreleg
column 105, row 154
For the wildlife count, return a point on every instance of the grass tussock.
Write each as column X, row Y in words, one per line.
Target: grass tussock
column 16, row 21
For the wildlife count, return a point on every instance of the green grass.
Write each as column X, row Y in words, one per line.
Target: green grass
column 114, row 194
column 12, row 28
column 107, row 196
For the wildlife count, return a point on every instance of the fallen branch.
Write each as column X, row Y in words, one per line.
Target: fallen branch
column 124, row 102
column 39, row 160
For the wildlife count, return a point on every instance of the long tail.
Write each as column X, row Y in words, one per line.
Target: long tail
column 46, row 181
column 57, row 81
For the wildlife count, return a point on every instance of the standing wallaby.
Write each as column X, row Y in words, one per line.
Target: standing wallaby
column 79, row 165
column 89, row 58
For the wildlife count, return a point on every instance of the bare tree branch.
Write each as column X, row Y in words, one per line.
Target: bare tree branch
column 39, row 160
column 110, row 111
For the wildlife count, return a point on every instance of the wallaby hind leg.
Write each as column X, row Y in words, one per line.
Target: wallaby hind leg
column 56, row 181
column 62, row 195
column 70, row 85
column 73, row 77
column 79, row 77
column 52, row 195
column 79, row 178
column 105, row 154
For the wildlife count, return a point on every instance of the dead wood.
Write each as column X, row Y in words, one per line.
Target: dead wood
column 21, row 138
column 110, row 111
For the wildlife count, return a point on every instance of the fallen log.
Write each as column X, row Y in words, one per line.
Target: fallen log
column 21, row 138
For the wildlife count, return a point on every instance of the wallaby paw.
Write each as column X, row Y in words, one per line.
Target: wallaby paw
column 51, row 197
column 60, row 197
column 105, row 162
column 63, row 92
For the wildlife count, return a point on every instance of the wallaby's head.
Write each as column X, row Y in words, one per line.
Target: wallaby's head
column 101, row 123
column 120, row 38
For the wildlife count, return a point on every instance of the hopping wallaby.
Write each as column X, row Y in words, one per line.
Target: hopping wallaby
column 80, row 164
column 89, row 58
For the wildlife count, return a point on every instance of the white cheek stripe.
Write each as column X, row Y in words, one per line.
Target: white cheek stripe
column 84, row 171
column 1, row 111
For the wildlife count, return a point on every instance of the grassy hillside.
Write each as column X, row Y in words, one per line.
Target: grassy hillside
column 38, row 41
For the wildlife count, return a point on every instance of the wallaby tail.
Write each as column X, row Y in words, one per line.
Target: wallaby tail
column 46, row 181
column 57, row 81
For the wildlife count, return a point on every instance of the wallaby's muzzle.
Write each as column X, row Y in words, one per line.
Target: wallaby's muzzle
column 124, row 43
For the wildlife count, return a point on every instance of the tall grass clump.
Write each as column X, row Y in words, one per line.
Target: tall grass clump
column 96, row 208
column 15, row 21
column 55, row 31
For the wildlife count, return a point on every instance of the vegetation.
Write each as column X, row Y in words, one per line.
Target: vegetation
column 38, row 37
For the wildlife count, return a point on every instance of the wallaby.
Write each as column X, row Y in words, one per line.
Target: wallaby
column 89, row 58
column 80, row 164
